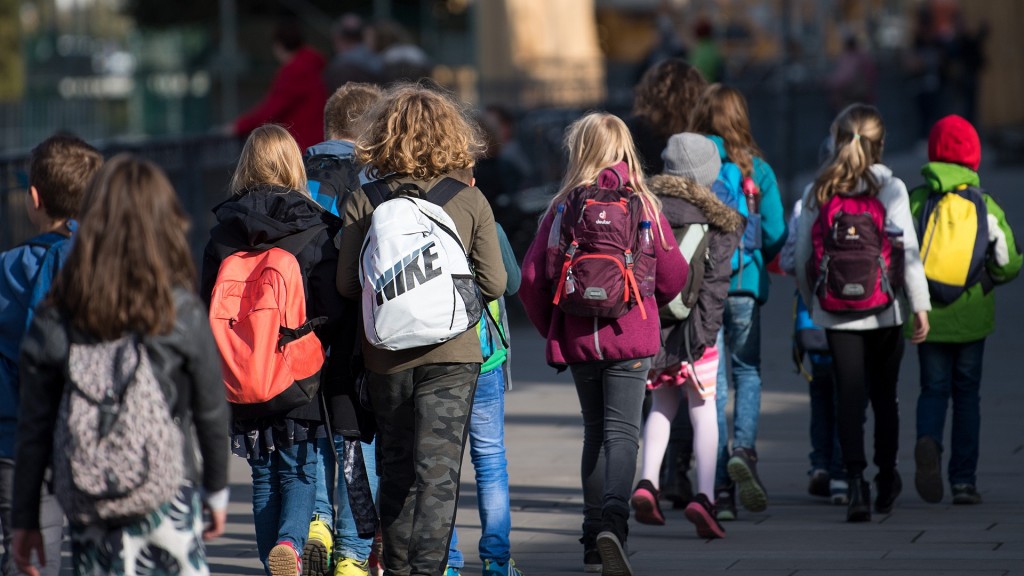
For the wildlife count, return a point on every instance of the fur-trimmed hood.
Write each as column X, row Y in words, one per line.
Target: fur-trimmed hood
column 698, row 204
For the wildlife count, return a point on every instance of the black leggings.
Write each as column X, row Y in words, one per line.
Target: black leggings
column 867, row 367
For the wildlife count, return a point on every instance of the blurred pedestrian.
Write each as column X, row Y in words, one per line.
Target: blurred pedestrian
column 854, row 77
column 706, row 56
column 297, row 93
column 400, row 58
column 353, row 59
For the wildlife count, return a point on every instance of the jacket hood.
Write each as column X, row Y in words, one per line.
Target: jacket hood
column 721, row 146
column 265, row 214
column 699, row 203
column 309, row 60
column 336, row 147
column 943, row 176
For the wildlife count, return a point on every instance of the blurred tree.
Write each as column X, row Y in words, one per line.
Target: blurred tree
column 12, row 71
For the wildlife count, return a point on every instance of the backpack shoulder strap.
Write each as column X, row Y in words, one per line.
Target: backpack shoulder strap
column 377, row 192
column 444, row 191
column 296, row 242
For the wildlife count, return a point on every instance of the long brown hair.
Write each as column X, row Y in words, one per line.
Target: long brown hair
column 667, row 94
column 417, row 131
column 858, row 136
column 270, row 156
column 722, row 111
column 129, row 254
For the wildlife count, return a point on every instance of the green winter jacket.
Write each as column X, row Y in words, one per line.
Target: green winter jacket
column 973, row 315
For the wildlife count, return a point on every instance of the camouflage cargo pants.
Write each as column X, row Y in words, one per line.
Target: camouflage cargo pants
column 421, row 417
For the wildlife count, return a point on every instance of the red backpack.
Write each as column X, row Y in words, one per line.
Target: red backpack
column 852, row 261
column 270, row 356
column 602, row 263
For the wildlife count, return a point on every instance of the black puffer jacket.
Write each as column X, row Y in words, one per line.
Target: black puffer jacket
column 187, row 366
column 686, row 202
column 265, row 215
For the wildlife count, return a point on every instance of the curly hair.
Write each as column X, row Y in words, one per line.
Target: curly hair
column 667, row 94
column 419, row 132
column 722, row 111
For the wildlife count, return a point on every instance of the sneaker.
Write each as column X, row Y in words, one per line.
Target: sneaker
column 819, row 484
column 725, row 503
column 592, row 561
column 839, row 492
column 614, row 560
column 452, row 571
column 645, row 504
column 966, row 494
column 492, row 568
column 353, row 567
column 928, row 475
column 888, row 489
column 742, row 469
column 702, row 514
column 284, row 560
column 316, row 554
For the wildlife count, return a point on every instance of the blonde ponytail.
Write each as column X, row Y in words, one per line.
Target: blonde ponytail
column 858, row 135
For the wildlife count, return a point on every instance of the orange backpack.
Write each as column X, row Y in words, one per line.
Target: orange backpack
column 270, row 356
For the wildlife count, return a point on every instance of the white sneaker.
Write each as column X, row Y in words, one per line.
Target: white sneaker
column 840, row 492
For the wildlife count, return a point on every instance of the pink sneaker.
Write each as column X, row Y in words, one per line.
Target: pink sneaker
column 645, row 504
column 702, row 514
column 284, row 560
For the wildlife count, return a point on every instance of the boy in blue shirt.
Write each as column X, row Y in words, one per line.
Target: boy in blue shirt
column 60, row 169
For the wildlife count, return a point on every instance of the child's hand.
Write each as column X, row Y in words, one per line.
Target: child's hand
column 921, row 328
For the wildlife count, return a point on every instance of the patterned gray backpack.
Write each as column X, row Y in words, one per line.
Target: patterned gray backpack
column 118, row 454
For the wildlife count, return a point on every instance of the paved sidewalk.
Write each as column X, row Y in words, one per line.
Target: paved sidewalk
column 798, row 534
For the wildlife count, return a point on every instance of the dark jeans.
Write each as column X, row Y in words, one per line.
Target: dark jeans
column 421, row 418
column 51, row 524
column 952, row 370
column 867, row 367
column 611, row 397
column 826, row 453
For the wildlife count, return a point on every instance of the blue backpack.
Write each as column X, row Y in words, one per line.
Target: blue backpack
column 729, row 189
column 331, row 180
column 57, row 248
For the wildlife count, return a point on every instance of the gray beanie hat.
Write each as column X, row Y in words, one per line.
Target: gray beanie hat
column 692, row 156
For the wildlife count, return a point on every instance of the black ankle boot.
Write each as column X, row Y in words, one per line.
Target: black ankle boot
column 889, row 485
column 859, row 509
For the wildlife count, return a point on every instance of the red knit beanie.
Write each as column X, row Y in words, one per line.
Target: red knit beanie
column 955, row 141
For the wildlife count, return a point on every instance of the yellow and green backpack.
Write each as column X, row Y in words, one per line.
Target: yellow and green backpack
column 953, row 229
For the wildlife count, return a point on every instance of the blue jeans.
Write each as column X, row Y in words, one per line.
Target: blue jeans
column 283, row 491
column 347, row 543
column 487, row 451
column 825, row 451
column 952, row 370
column 739, row 342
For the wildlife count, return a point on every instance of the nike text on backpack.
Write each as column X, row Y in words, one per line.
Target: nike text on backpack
column 693, row 244
column 418, row 283
column 118, row 454
column 331, row 179
column 954, row 242
column 741, row 194
column 853, row 264
column 602, row 259
column 270, row 356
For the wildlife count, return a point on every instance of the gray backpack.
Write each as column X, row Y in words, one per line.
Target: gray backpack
column 693, row 243
column 118, row 454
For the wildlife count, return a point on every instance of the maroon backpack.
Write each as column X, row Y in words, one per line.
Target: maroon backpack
column 852, row 261
column 603, row 264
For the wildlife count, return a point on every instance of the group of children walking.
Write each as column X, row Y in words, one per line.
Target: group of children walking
column 349, row 332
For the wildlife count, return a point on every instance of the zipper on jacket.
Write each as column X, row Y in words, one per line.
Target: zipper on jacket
column 597, row 341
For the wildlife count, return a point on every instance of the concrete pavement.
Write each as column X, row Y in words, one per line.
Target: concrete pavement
column 798, row 534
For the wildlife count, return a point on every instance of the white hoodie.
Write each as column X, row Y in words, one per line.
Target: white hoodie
column 893, row 195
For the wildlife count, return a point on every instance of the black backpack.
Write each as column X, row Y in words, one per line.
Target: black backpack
column 332, row 179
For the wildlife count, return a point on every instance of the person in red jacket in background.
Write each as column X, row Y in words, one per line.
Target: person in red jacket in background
column 297, row 95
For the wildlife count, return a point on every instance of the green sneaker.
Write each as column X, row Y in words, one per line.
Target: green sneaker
column 492, row 568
